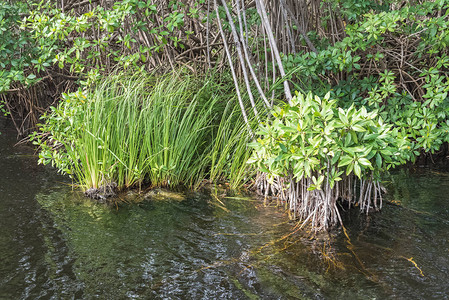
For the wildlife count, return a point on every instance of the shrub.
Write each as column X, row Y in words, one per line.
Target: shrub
column 314, row 154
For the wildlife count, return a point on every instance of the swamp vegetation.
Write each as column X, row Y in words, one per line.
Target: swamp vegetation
column 308, row 103
column 57, row 243
column 225, row 144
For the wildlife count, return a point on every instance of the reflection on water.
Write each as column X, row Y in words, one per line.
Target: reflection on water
column 57, row 244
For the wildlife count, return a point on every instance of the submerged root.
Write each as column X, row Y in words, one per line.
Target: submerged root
column 103, row 192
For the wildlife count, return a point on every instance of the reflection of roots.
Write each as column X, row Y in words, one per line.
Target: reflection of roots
column 218, row 263
column 329, row 257
column 218, row 203
column 363, row 270
column 414, row 264
column 281, row 239
column 321, row 245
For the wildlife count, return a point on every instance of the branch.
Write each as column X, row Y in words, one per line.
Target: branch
column 301, row 30
column 196, row 49
column 251, row 69
column 82, row 3
column 238, row 47
column 234, row 76
column 263, row 13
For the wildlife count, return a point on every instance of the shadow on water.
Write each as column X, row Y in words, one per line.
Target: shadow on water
column 57, row 244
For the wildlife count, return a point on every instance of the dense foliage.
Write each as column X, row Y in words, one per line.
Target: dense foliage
column 316, row 152
column 71, row 43
column 393, row 61
column 16, row 50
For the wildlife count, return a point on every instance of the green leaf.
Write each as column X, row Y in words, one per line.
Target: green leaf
column 342, row 116
column 349, row 168
column 364, row 162
column 378, row 160
column 283, row 148
column 354, row 137
column 288, row 129
column 358, row 128
column 346, row 160
column 357, row 170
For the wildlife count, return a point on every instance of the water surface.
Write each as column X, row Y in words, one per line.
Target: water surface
column 55, row 244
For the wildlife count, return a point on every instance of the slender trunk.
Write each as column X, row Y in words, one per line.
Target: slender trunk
column 234, row 76
column 274, row 48
column 238, row 47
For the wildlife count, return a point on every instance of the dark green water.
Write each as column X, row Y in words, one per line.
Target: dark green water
column 57, row 245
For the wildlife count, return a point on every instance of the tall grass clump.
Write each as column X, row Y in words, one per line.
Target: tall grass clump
column 230, row 152
column 128, row 130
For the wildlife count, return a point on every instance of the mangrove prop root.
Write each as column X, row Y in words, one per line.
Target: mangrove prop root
column 319, row 206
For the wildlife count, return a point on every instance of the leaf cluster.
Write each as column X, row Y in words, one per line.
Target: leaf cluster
column 312, row 138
